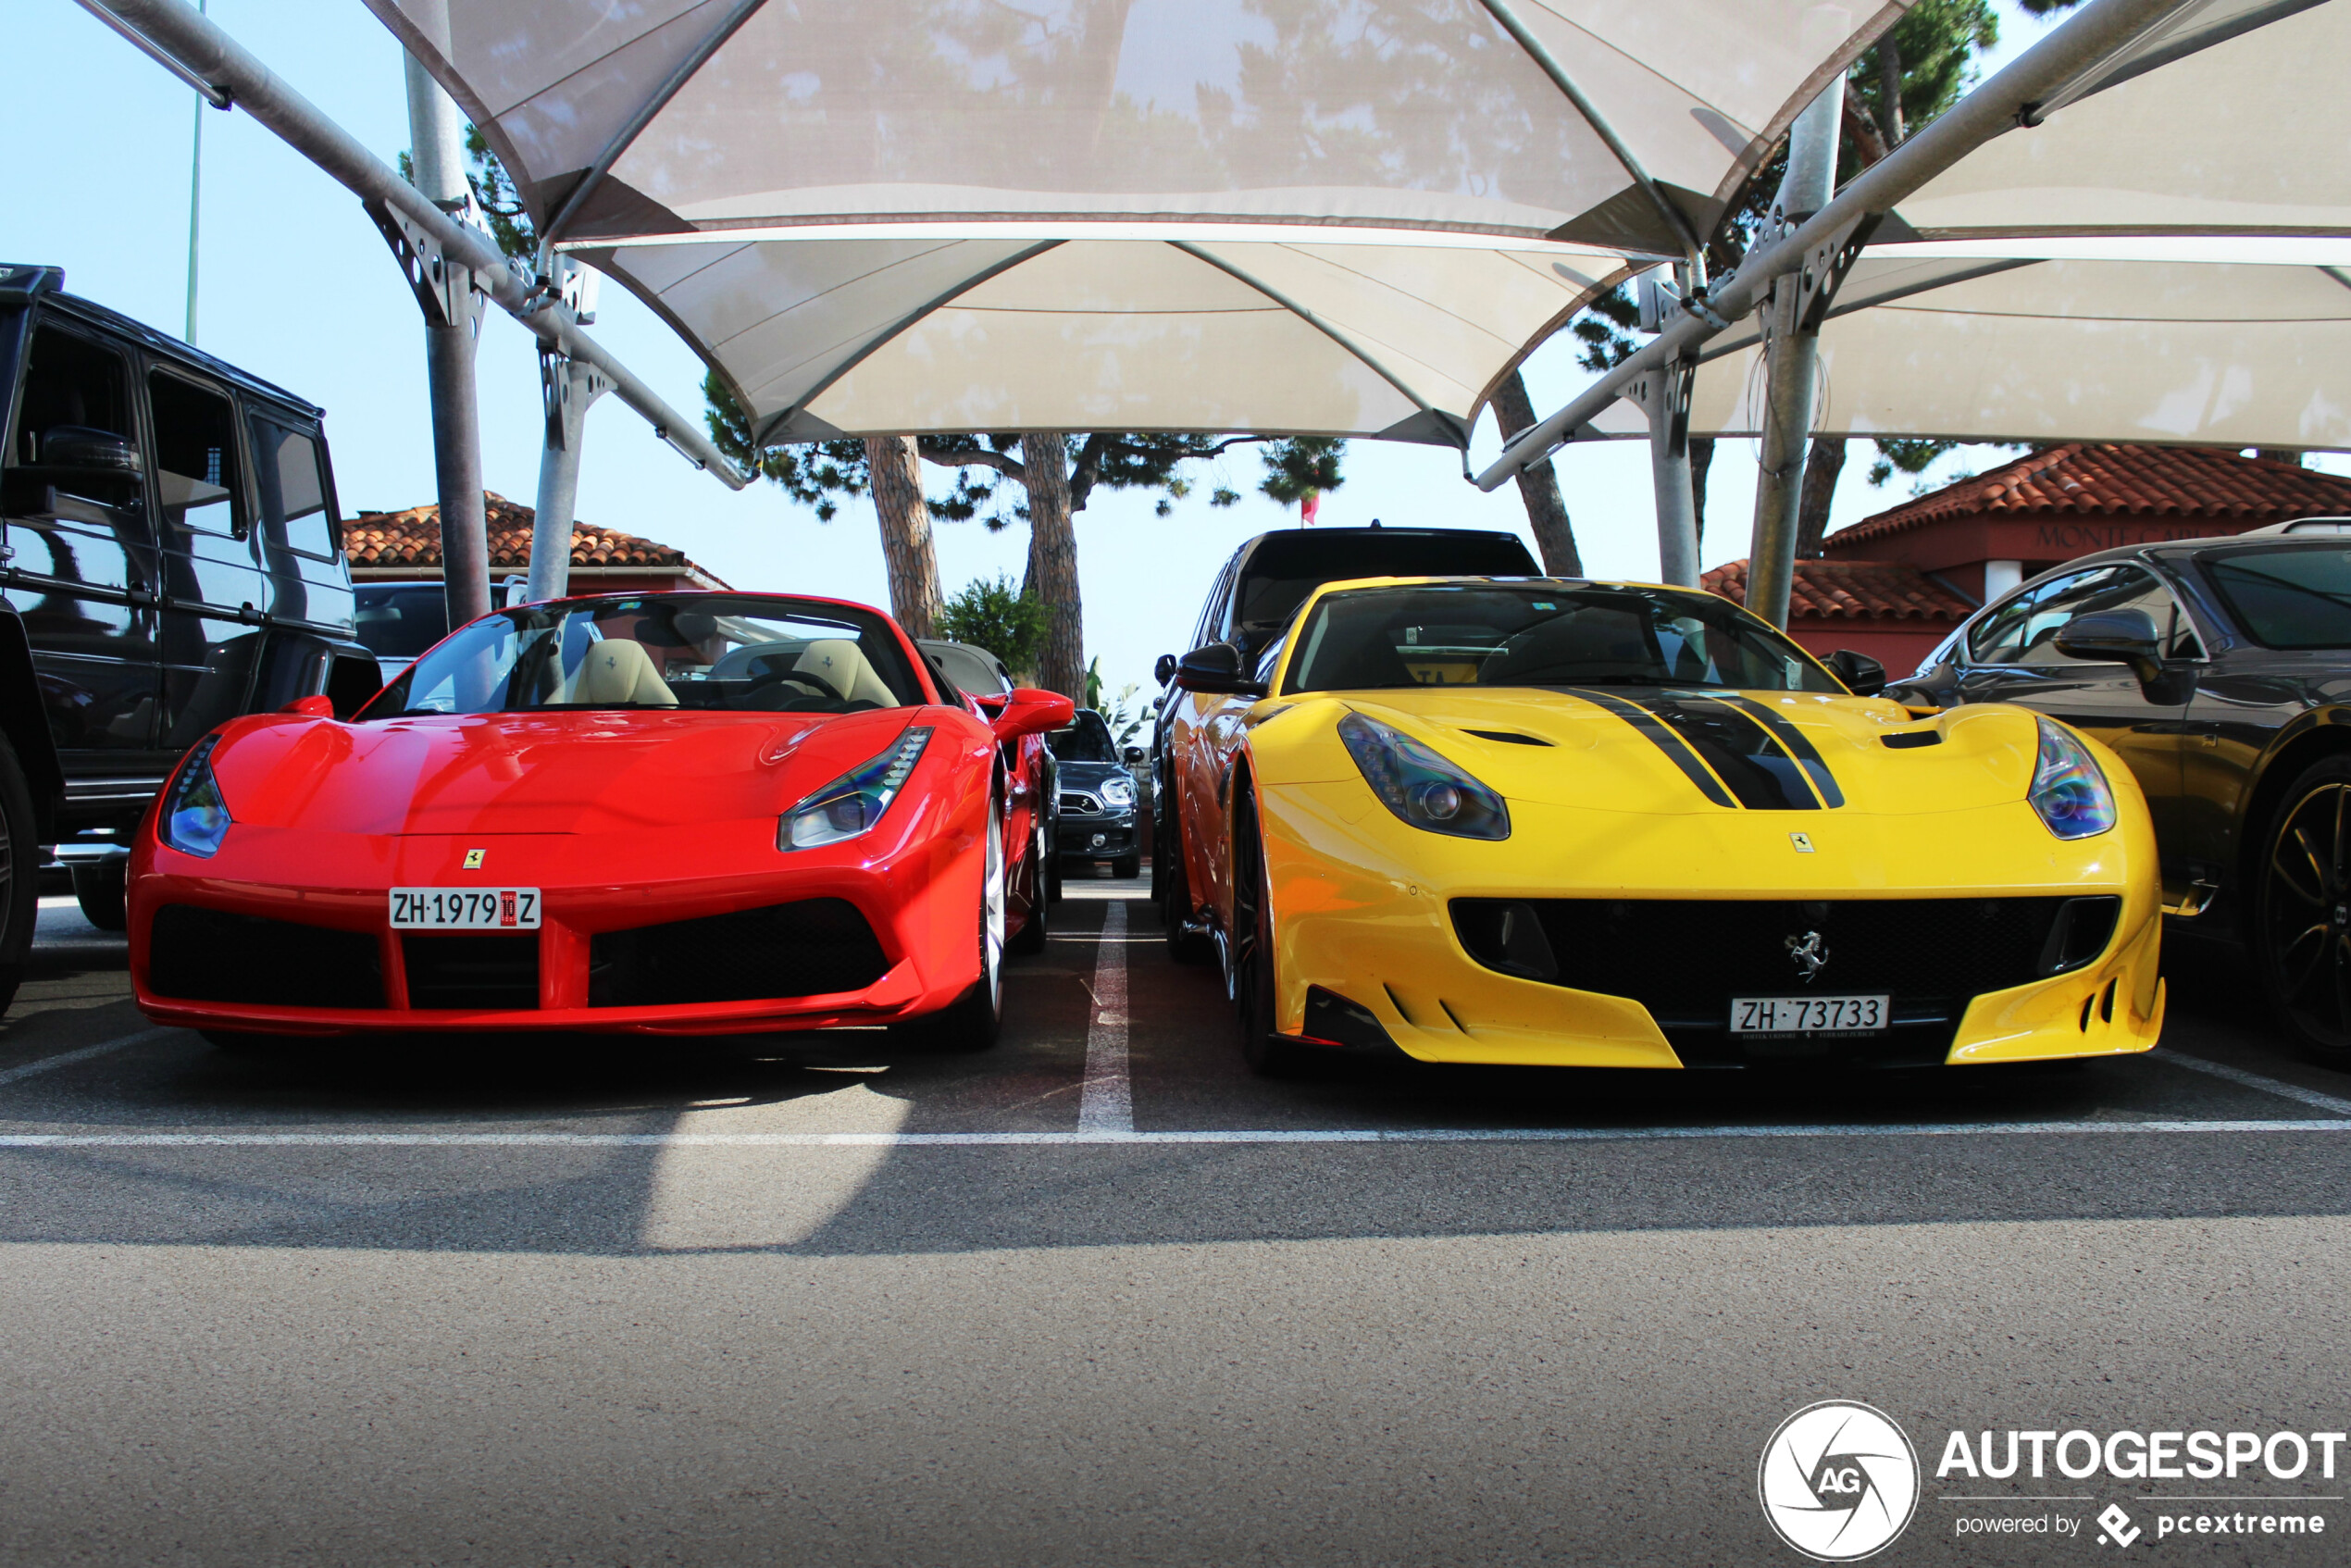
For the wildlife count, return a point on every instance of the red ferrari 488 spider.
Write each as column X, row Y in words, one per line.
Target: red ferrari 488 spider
column 667, row 813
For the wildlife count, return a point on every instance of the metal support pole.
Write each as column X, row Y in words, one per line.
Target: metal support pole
column 1792, row 359
column 452, row 322
column 1664, row 397
column 568, row 388
column 195, row 203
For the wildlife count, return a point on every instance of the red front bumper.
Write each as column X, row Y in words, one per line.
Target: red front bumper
column 917, row 889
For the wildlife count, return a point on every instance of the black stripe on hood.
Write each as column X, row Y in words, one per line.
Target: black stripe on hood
column 1663, row 738
column 1714, row 734
column 1792, row 740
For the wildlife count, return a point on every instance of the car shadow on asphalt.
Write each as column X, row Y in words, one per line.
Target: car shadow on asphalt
column 1646, row 1151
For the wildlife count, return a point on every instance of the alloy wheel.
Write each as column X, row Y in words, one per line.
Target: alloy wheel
column 2306, row 916
column 991, row 913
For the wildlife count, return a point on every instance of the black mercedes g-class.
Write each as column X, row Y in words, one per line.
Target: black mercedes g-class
column 170, row 557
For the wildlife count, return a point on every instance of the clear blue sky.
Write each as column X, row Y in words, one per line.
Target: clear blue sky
column 297, row 287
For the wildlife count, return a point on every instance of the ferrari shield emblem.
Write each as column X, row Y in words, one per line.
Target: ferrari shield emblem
column 473, row 859
column 1803, row 842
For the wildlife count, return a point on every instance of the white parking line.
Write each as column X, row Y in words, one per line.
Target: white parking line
column 1106, row 1108
column 2255, row 1081
column 68, row 1058
column 1073, row 1139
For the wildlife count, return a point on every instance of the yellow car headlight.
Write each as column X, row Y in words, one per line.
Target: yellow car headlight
column 1421, row 786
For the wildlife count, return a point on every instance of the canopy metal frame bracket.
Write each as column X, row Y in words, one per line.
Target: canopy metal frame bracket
column 566, row 388
column 1800, row 300
column 449, row 292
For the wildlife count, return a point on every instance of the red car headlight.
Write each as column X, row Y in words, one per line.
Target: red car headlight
column 854, row 802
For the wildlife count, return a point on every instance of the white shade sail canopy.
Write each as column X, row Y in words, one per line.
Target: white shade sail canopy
column 1337, row 217
column 2251, row 133
column 2167, row 257
column 927, row 332
column 2230, row 353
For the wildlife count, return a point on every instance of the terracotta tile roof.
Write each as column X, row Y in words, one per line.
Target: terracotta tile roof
column 413, row 539
column 2107, row 480
column 1876, row 591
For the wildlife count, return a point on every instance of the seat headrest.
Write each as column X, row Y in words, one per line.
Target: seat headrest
column 620, row 670
column 838, row 664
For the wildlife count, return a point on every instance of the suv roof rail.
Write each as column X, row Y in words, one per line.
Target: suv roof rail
column 2307, row 525
column 19, row 282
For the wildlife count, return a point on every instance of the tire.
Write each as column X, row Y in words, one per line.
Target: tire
column 1053, row 865
column 1255, row 976
column 20, row 874
column 973, row 1021
column 1175, row 904
column 1126, row 867
column 1033, row 932
column 2302, row 913
column 102, row 889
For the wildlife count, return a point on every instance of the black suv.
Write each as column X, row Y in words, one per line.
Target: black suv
column 2220, row 670
column 172, row 559
column 1266, row 579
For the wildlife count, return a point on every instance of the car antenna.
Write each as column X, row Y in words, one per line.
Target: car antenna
column 1375, row 522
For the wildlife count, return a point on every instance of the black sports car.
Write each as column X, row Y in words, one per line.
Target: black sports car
column 1097, row 796
column 2220, row 670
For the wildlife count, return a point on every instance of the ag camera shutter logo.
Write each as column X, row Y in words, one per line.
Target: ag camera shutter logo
column 1838, row 1481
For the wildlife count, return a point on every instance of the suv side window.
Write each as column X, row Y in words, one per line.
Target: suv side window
column 296, row 513
column 1998, row 638
column 195, row 457
column 2106, row 588
column 1211, row 619
column 1271, row 659
column 2024, row 630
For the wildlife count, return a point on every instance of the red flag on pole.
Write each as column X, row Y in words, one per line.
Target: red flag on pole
column 1308, row 507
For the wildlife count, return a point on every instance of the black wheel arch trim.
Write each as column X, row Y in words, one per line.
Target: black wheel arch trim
column 26, row 727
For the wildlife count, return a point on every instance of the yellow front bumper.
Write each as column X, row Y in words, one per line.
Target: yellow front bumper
column 1361, row 908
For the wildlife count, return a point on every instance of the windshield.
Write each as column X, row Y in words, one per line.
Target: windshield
column 1480, row 634
column 401, row 622
column 2294, row 596
column 1287, row 567
column 740, row 654
column 1086, row 739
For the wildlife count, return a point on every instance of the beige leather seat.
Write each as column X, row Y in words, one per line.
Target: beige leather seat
column 620, row 670
column 837, row 663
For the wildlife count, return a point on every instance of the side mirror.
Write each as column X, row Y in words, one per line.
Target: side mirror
column 1031, row 711
column 1165, row 670
column 1132, row 757
column 2115, row 637
column 1863, row 676
column 319, row 706
column 77, row 449
column 1216, row 669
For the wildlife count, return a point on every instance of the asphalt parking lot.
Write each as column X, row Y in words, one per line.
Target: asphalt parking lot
column 1099, row 1296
